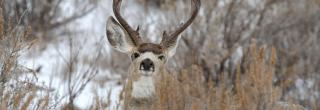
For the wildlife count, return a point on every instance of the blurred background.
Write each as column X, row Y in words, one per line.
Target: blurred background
column 54, row 53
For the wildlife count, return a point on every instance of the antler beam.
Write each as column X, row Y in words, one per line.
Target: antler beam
column 172, row 37
column 134, row 35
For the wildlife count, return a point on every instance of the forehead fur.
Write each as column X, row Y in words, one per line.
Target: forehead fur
column 150, row 47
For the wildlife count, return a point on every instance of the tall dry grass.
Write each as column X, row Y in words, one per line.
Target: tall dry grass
column 218, row 39
column 253, row 90
column 18, row 89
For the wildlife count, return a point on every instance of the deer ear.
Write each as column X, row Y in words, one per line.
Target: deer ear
column 118, row 37
column 171, row 46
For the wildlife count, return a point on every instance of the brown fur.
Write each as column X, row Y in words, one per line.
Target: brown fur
column 150, row 47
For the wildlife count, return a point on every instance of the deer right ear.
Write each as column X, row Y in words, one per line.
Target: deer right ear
column 118, row 37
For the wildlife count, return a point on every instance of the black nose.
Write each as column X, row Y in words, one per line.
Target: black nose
column 147, row 65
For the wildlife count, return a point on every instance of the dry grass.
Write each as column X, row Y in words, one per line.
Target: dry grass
column 17, row 92
column 253, row 90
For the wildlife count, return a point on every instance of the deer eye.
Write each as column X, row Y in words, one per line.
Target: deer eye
column 135, row 55
column 161, row 57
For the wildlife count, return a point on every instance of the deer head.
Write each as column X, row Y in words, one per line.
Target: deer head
column 147, row 58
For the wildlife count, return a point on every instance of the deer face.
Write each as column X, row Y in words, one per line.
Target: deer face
column 147, row 58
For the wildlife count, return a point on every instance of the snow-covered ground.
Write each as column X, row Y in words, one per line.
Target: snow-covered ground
column 53, row 59
column 89, row 40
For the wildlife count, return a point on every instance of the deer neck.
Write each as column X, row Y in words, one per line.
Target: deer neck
column 143, row 87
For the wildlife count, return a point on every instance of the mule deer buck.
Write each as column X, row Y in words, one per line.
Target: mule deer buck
column 148, row 59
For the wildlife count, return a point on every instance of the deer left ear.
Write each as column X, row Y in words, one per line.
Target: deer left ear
column 171, row 46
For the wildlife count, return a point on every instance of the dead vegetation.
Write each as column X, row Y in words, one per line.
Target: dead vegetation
column 18, row 92
column 253, row 90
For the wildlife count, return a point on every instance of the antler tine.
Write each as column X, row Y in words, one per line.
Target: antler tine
column 134, row 35
column 174, row 35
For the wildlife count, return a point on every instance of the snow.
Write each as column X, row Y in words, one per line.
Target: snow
column 303, row 86
column 53, row 59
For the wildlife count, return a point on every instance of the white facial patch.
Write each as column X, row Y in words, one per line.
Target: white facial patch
column 149, row 55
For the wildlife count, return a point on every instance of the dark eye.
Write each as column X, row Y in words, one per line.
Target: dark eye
column 161, row 57
column 135, row 55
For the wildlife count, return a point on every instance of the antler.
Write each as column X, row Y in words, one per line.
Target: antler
column 134, row 35
column 168, row 40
